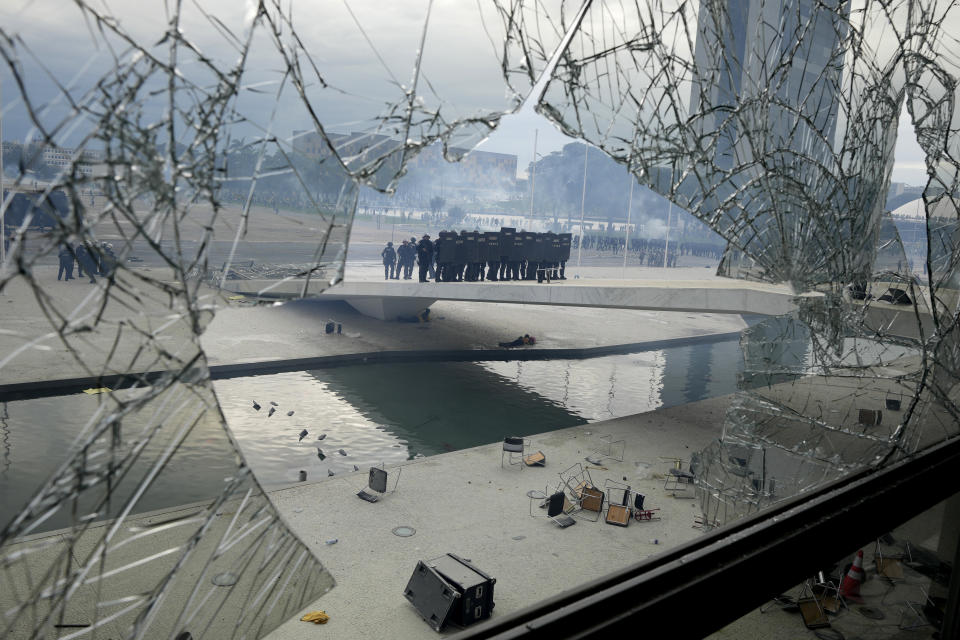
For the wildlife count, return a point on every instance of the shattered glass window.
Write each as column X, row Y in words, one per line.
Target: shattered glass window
column 172, row 152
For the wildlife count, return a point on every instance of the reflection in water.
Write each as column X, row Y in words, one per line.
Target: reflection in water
column 272, row 444
column 372, row 413
column 43, row 432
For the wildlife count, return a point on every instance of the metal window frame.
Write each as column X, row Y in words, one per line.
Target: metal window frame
column 686, row 589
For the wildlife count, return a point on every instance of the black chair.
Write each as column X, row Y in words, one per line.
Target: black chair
column 377, row 483
column 513, row 449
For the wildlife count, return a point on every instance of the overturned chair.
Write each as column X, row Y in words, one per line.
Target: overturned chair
column 377, row 484
column 619, row 507
column 585, row 498
column 556, row 504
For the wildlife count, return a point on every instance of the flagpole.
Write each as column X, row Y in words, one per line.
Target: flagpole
column 626, row 244
column 583, row 197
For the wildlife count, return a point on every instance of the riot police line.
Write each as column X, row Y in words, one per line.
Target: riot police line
column 508, row 254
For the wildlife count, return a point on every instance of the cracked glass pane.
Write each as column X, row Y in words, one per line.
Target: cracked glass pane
column 774, row 122
column 152, row 151
column 185, row 158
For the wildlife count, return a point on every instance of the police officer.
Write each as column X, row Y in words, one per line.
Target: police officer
column 86, row 263
column 566, row 241
column 408, row 257
column 516, row 255
column 506, row 246
column 493, row 255
column 66, row 263
column 424, row 256
column 389, row 256
column 459, row 255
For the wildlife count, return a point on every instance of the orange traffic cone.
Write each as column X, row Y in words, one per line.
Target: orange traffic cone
column 850, row 587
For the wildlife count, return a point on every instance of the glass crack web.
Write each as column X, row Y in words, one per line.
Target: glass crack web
column 773, row 122
column 154, row 161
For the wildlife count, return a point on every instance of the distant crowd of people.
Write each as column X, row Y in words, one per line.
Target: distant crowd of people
column 472, row 256
column 91, row 260
column 651, row 251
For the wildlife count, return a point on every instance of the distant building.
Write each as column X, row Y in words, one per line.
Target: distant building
column 62, row 158
column 739, row 56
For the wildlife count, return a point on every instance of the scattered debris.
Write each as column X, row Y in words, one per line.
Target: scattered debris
column 271, row 412
column 274, row 403
column 342, row 452
column 519, row 537
column 256, row 406
column 332, row 541
column 356, row 468
column 289, row 413
column 321, row 436
column 303, row 475
column 320, row 454
column 316, row 617
column 330, row 473
column 303, row 434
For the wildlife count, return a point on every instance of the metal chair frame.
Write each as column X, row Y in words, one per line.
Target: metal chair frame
column 580, row 489
column 374, row 477
column 516, row 456
column 561, row 518
column 607, row 449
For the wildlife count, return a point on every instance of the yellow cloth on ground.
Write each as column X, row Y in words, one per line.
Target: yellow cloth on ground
column 316, row 617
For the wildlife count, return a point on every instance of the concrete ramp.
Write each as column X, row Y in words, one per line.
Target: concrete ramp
column 388, row 299
column 707, row 296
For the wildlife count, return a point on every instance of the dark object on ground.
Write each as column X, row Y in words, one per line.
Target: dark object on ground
column 555, row 511
column 289, row 413
column 320, row 454
column 256, row 406
column 330, row 327
column 896, row 296
column 303, row 475
column 303, row 434
column 525, row 339
column 893, row 404
column 450, row 589
column 272, row 411
column 342, row 452
column 330, row 472
column 321, row 436
column 274, row 403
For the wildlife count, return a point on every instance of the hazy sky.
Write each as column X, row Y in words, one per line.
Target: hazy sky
column 365, row 50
